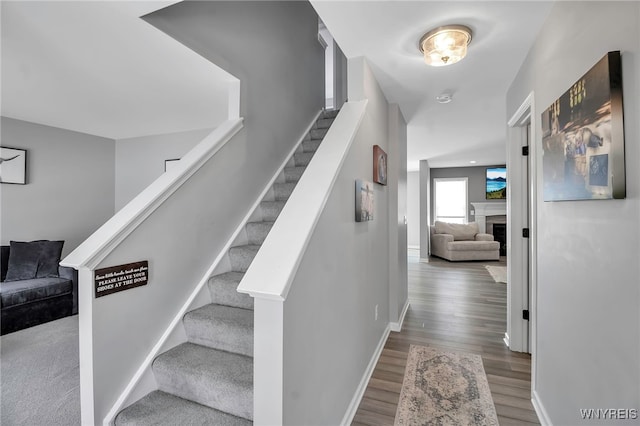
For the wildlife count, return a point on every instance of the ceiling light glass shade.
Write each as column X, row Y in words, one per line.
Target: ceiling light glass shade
column 445, row 45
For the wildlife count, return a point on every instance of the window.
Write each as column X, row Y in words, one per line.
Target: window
column 450, row 197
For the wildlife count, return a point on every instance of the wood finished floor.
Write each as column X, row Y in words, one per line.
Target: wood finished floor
column 458, row 307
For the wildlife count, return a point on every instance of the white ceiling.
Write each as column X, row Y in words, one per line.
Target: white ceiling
column 96, row 67
column 473, row 125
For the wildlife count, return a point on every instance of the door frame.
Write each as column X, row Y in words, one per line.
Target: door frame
column 521, row 335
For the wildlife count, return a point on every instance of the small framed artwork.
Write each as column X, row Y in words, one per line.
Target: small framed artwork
column 379, row 165
column 169, row 164
column 364, row 200
column 583, row 137
column 13, row 165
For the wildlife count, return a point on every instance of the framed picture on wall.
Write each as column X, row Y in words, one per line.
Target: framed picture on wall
column 13, row 165
column 496, row 183
column 364, row 200
column 583, row 137
column 379, row 165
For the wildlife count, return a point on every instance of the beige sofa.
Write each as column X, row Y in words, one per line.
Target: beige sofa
column 455, row 242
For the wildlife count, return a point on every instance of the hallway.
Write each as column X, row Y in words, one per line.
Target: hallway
column 458, row 307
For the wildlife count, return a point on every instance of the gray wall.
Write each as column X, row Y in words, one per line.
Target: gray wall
column 588, row 297
column 140, row 161
column 330, row 330
column 273, row 49
column 70, row 188
column 413, row 209
column 476, row 184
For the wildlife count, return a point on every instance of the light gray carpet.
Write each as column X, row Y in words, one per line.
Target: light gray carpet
column 39, row 374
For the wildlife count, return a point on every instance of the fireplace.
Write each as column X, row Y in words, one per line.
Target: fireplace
column 500, row 235
column 496, row 225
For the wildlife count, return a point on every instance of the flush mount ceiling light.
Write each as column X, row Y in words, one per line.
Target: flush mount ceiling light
column 445, row 45
column 444, row 98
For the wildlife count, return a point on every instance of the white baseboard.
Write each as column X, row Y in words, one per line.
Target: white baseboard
column 424, row 260
column 543, row 417
column 357, row 397
column 506, row 339
column 397, row 326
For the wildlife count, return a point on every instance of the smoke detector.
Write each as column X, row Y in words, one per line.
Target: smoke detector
column 444, row 98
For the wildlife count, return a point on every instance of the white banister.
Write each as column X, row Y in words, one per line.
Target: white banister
column 118, row 331
column 272, row 271
column 282, row 250
column 100, row 243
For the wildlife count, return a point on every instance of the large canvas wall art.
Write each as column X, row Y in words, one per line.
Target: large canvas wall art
column 364, row 200
column 583, row 137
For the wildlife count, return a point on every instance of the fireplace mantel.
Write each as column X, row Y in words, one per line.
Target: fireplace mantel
column 482, row 210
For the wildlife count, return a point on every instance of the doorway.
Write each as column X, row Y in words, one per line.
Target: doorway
column 521, row 231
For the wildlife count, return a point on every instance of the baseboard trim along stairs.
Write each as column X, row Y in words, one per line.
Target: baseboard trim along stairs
column 209, row 378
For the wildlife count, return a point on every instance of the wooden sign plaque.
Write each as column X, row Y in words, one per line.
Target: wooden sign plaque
column 122, row 277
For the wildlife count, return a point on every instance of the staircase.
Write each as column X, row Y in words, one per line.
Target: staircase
column 209, row 379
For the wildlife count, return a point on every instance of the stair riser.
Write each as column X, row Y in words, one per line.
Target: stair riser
column 293, row 174
column 217, row 335
column 241, row 258
column 303, row 159
column 271, row 209
column 283, row 191
column 310, row 146
column 318, row 133
column 227, row 295
column 324, row 123
column 257, row 232
column 228, row 387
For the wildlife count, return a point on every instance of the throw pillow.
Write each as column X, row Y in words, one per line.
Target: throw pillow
column 5, row 261
column 23, row 261
column 34, row 259
column 49, row 260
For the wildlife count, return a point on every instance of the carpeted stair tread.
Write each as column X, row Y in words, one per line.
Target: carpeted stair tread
column 271, row 209
column 242, row 256
column 257, row 231
column 224, row 291
column 293, row 174
column 318, row 133
column 311, row 145
column 221, row 327
column 217, row 379
column 330, row 113
column 160, row 408
column 302, row 158
column 324, row 123
column 282, row 191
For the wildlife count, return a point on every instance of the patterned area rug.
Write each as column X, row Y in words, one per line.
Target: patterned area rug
column 444, row 388
column 499, row 273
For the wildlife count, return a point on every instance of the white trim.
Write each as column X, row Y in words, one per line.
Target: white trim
column 364, row 382
column 187, row 306
column 397, row 326
column 282, row 250
column 102, row 242
column 543, row 416
column 526, row 114
column 522, row 114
